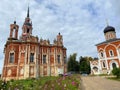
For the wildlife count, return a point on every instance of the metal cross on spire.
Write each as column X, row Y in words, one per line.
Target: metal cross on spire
column 107, row 23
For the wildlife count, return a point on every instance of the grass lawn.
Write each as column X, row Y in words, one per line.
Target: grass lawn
column 43, row 83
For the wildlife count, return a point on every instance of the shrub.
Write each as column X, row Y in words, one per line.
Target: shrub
column 116, row 72
column 43, row 83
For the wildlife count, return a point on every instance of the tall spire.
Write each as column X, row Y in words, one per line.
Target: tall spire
column 28, row 11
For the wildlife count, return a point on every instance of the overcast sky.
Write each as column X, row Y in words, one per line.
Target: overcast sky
column 81, row 22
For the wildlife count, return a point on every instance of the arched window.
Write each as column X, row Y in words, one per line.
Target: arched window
column 58, row 58
column 14, row 32
column 104, row 64
column 101, row 54
column 114, row 65
column 11, row 58
column 111, row 53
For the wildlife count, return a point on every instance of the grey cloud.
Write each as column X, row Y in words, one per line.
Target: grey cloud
column 80, row 23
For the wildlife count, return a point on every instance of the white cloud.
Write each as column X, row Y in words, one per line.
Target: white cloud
column 80, row 22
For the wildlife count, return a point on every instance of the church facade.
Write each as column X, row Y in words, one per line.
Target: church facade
column 31, row 57
column 108, row 53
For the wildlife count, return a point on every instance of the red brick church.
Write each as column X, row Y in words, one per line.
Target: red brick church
column 29, row 56
column 108, row 53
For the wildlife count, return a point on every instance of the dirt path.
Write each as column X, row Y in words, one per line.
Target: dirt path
column 99, row 83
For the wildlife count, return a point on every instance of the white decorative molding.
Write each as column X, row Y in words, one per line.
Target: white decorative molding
column 101, row 49
column 9, row 72
column 109, row 45
column 32, row 70
column 112, row 58
column 111, row 54
column 21, row 71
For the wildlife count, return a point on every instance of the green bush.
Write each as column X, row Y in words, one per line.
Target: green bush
column 116, row 72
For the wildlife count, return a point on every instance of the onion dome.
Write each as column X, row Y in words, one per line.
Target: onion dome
column 109, row 28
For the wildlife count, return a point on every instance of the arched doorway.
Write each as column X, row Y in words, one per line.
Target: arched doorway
column 114, row 65
column 95, row 69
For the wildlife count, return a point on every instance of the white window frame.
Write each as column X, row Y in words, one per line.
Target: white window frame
column 9, row 72
column 45, row 59
column 65, row 61
column 101, row 54
column 103, row 64
column 10, row 56
column 111, row 55
column 21, row 71
column 32, row 57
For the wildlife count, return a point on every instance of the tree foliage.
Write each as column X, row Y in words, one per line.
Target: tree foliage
column 85, row 64
column 73, row 64
column 116, row 72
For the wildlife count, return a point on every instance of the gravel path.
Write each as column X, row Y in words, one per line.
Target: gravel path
column 99, row 83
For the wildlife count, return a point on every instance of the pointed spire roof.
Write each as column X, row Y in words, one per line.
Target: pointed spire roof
column 28, row 12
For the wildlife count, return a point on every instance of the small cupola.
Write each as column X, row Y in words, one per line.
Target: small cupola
column 109, row 33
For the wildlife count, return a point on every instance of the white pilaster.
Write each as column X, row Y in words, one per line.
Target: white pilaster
column 106, row 60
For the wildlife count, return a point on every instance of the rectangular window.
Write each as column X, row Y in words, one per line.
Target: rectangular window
column 65, row 60
column 58, row 58
column 11, row 57
column 104, row 64
column 44, row 59
column 31, row 57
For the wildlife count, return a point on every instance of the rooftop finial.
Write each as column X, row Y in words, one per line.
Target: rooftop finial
column 15, row 21
column 107, row 23
column 59, row 33
column 28, row 10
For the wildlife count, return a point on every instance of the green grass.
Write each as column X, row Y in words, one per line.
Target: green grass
column 44, row 83
column 114, row 78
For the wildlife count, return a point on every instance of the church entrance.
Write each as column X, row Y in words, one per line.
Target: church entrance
column 113, row 65
column 95, row 69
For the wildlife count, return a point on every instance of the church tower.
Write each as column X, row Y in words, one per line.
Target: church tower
column 27, row 27
column 29, row 57
column 13, row 31
column 59, row 39
column 109, row 33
